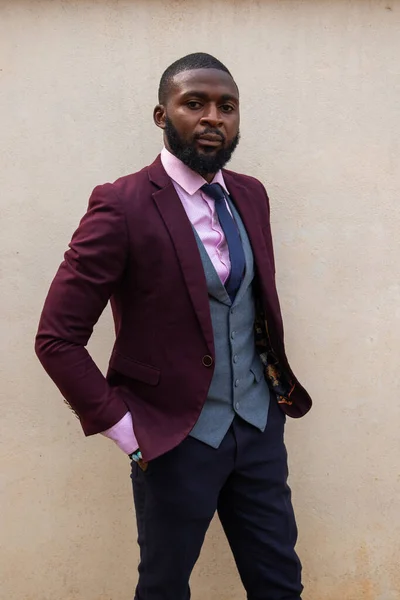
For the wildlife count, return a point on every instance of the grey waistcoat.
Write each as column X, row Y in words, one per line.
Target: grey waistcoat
column 238, row 385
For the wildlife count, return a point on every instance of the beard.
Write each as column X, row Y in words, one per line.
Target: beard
column 205, row 162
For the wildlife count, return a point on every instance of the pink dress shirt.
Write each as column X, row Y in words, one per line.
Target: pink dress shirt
column 200, row 210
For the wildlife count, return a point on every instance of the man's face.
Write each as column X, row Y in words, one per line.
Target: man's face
column 201, row 119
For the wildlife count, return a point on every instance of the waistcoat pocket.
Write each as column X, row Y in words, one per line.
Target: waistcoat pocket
column 257, row 369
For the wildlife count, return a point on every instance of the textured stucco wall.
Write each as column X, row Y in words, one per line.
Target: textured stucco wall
column 320, row 86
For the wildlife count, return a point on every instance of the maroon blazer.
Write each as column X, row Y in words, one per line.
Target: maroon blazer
column 135, row 246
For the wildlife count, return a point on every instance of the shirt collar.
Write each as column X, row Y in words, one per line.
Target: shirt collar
column 189, row 180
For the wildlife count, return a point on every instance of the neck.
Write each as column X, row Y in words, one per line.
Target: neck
column 208, row 176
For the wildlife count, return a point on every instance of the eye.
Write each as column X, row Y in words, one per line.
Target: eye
column 227, row 108
column 193, row 104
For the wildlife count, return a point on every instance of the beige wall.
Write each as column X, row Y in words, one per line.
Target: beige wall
column 320, row 86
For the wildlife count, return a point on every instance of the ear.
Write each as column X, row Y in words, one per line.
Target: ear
column 159, row 116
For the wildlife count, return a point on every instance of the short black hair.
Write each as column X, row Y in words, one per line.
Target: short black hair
column 197, row 60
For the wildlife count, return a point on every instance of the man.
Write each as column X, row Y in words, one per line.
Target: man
column 198, row 383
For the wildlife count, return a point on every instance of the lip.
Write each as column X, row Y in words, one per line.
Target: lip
column 209, row 140
column 212, row 137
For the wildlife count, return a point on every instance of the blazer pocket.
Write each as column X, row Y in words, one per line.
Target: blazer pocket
column 134, row 369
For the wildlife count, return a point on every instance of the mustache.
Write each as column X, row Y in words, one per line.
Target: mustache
column 211, row 131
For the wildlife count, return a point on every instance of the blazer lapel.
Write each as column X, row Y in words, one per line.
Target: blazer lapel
column 244, row 203
column 182, row 236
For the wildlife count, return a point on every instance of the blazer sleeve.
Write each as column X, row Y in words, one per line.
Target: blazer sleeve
column 92, row 268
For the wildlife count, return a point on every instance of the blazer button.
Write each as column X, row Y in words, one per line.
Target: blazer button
column 207, row 360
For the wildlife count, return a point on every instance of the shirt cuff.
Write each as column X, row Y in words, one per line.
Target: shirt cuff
column 123, row 435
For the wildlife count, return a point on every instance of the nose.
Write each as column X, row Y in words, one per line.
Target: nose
column 212, row 116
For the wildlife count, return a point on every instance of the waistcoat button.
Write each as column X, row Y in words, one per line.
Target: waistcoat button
column 207, row 360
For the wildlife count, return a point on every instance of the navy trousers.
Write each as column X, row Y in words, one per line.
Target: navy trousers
column 245, row 481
